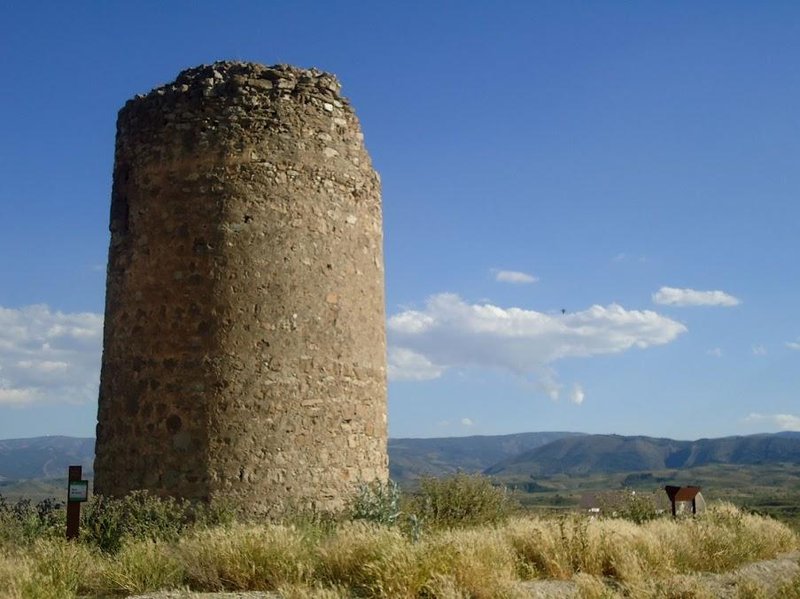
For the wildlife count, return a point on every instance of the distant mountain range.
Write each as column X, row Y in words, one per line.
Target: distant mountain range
column 605, row 454
column 412, row 458
column 506, row 456
column 44, row 457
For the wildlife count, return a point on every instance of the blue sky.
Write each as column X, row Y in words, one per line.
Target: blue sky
column 618, row 161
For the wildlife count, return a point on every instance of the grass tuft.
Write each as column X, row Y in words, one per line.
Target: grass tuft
column 142, row 567
column 477, row 563
column 246, row 557
column 371, row 560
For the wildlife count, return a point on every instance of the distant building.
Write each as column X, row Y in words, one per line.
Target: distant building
column 685, row 500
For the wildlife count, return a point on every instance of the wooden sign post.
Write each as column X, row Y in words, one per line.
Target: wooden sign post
column 77, row 493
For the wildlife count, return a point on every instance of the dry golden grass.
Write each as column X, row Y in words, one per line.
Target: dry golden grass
column 291, row 591
column 372, row 560
column 605, row 558
column 49, row 569
column 635, row 555
column 593, row 587
column 246, row 558
column 727, row 538
column 477, row 563
column 15, row 572
column 141, row 567
column 790, row 590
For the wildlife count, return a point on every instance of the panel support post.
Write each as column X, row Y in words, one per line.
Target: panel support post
column 73, row 507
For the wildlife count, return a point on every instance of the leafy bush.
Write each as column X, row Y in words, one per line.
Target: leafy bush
column 460, row 500
column 637, row 507
column 109, row 522
column 377, row 502
column 24, row 522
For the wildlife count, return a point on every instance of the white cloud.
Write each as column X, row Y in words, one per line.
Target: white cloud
column 546, row 381
column 716, row 352
column 513, row 276
column 784, row 422
column 48, row 356
column 407, row 365
column 672, row 296
column 793, row 344
column 759, row 350
column 451, row 333
column 411, row 322
column 43, row 366
column 17, row 397
column 576, row 394
column 467, row 422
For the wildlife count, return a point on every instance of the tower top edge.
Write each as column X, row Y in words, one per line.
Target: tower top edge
column 234, row 74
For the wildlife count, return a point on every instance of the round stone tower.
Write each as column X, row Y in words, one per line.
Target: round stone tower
column 244, row 354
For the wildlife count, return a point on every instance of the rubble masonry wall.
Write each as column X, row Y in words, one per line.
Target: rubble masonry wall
column 244, row 350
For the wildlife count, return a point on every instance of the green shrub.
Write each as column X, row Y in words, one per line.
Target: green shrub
column 314, row 524
column 377, row 502
column 460, row 500
column 638, row 508
column 23, row 522
column 109, row 522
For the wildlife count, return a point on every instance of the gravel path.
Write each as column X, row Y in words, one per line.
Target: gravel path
column 766, row 575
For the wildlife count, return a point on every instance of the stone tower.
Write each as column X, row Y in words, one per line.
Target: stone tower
column 244, row 354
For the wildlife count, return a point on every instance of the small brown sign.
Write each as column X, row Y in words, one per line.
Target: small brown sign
column 677, row 494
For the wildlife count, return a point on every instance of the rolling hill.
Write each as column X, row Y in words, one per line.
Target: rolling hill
column 595, row 454
column 412, row 458
column 44, row 457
